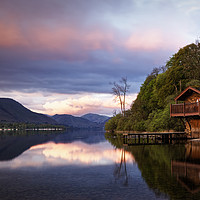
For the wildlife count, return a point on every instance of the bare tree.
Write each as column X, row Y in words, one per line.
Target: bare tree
column 116, row 90
column 120, row 92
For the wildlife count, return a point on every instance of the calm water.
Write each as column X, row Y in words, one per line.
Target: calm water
column 84, row 165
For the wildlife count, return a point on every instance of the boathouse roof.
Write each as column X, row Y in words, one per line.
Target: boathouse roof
column 187, row 92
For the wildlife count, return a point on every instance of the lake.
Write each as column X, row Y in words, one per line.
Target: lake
column 88, row 165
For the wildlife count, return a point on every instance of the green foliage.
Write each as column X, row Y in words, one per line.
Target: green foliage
column 193, row 83
column 111, row 124
column 150, row 111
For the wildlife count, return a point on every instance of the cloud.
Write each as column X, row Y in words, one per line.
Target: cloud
column 10, row 35
column 61, row 43
column 86, row 103
column 76, row 47
column 150, row 40
column 75, row 104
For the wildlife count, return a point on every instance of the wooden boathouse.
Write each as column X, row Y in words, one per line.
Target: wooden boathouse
column 187, row 107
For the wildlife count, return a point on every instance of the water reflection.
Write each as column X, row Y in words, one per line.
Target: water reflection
column 120, row 171
column 12, row 146
column 75, row 153
column 187, row 172
column 173, row 170
column 163, row 172
column 193, row 151
column 75, row 166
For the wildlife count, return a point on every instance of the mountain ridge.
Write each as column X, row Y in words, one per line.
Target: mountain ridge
column 76, row 122
column 96, row 118
column 12, row 111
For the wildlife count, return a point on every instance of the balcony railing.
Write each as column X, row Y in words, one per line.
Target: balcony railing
column 185, row 109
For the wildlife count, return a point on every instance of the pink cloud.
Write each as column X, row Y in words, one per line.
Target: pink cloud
column 81, row 104
column 86, row 103
column 67, row 42
column 10, row 35
column 152, row 40
column 149, row 40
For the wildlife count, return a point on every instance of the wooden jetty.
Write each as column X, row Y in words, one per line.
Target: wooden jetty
column 130, row 139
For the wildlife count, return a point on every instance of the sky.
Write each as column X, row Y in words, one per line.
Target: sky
column 61, row 56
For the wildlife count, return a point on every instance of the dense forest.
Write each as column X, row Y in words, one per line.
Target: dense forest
column 151, row 109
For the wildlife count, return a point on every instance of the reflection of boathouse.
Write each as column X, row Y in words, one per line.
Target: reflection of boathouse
column 187, row 172
column 188, row 107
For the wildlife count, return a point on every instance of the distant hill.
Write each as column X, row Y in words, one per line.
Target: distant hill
column 96, row 118
column 75, row 122
column 12, row 111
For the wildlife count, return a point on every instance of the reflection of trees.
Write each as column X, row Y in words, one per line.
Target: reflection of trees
column 120, row 171
column 154, row 163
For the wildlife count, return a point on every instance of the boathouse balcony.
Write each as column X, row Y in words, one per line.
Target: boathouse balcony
column 185, row 109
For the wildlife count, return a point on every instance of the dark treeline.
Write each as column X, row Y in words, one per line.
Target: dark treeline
column 151, row 109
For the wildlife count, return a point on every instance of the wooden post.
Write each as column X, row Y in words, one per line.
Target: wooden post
column 138, row 139
column 125, row 139
column 199, row 107
column 170, row 110
column 163, row 140
column 167, row 139
column 184, row 109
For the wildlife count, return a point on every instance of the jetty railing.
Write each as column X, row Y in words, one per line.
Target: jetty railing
column 153, row 138
column 185, row 109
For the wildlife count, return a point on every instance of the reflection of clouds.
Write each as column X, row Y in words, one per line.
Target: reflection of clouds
column 79, row 152
column 51, row 154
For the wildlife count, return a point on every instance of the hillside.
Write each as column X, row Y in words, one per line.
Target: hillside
column 96, row 118
column 75, row 122
column 12, row 111
column 151, row 109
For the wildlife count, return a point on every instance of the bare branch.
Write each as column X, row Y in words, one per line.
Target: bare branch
column 120, row 91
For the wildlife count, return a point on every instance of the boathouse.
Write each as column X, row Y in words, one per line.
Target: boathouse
column 187, row 107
